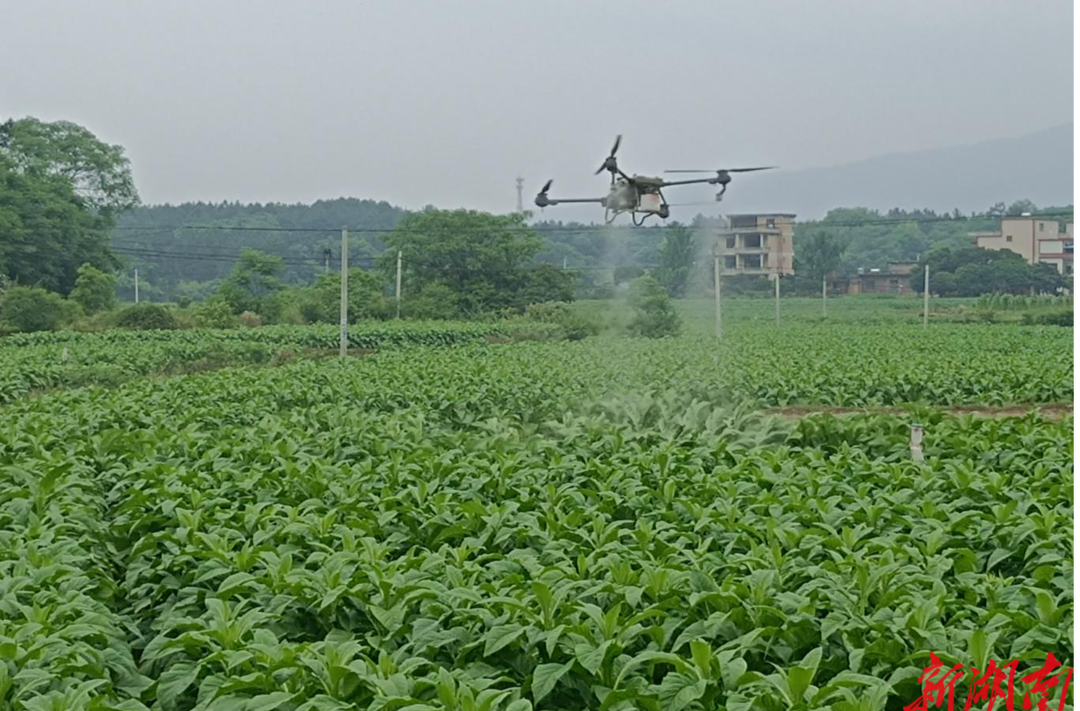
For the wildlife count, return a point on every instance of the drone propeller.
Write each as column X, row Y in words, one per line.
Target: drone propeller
column 547, row 185
column 609, row 162
column 725, row 170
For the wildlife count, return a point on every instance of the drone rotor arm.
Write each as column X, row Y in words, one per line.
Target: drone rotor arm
column 712, row 181
column 555, row 201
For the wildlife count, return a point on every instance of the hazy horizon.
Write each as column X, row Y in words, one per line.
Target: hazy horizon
column 435, row 104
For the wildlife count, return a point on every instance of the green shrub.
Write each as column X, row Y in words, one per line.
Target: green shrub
column 574, row 325
column 433, row 302
column 95, row 291
column 654, row 315
column 1063, row 317
column 146, row 316
column 29, row 308
column 214, row 314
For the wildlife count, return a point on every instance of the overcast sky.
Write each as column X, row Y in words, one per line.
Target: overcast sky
column 418, row 101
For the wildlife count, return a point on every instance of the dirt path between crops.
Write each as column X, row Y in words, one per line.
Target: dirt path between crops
column 1051, row 411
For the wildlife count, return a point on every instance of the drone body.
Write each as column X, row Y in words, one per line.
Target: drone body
column 640, row 195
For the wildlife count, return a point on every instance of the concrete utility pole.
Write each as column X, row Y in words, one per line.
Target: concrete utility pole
column 520, row 185
column 136, row 286
column 926, row 298
column 716, row 295
column 326, row 260
column 397, row 287
column 344, row 343
column 777, row 282
column 824, row 293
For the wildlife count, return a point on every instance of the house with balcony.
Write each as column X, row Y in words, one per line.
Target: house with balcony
column 1036, row 239
column 757, row 244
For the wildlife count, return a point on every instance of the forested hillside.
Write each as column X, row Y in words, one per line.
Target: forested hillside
column 175, row 260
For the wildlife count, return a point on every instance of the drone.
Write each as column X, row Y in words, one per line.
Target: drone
column 640, row 195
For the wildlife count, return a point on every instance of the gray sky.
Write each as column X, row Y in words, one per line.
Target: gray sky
column 418, row 101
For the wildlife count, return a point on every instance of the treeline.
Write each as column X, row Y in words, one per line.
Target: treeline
column 177, row 261
column 872, row 239
column 191, row 263
column 68, row 201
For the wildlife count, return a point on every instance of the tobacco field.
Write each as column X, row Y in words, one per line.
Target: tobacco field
column 471, row 526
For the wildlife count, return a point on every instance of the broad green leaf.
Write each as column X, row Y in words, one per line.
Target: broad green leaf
column 678, row 690
column 545, row 677
column 174, row 681
column 498, row 637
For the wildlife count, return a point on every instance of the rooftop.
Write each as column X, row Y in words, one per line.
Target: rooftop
column 762, row 214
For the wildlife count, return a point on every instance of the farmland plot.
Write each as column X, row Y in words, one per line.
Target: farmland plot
column 837, row 364
column 549, row 526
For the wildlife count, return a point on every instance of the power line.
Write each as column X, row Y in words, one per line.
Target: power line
column 544, row 229
column 152, row 254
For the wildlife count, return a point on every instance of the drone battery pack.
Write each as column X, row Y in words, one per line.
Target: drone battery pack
column 649, row 203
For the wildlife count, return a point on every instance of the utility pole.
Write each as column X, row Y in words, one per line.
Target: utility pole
column 777, row 282
column 520, row 185
column 344, row 344
column 136, row 286
column 397, row 287
column 564, row 262
column 326, row 259
column 926, row 298
column 716, row 294
column 824, row 293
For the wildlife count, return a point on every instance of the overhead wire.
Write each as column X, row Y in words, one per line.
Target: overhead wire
column 545, row 229
column 150, row 252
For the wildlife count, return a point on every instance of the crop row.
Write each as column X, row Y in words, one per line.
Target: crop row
column 39, row 361
column 803, row 364
column 546, row 526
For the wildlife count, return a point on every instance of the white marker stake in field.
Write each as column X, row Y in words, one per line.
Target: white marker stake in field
column 916, row 443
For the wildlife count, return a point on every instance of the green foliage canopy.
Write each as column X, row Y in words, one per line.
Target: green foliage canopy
column 95, row 290
column 60, row 188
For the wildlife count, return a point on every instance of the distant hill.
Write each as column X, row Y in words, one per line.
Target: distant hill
column 1037, row 166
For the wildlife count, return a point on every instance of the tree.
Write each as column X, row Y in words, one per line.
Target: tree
column 253, row 284
column 676, row 259
column 59, row 190
column 321, row 302
column 545, row 283
column 654, row 315
column 974, row 271
column 28, row 308
column 626, row 272
column 818, row 255
column 482, row 258
column 94, row 289
column 1021, row 206
column 100, row 174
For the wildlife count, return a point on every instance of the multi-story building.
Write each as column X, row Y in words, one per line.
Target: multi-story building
column 1036, row 239
column 757, row 244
